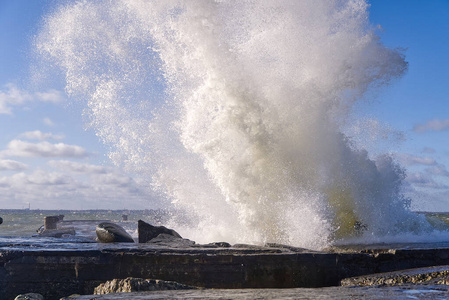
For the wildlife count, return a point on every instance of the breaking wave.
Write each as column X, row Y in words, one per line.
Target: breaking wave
column 234, row 111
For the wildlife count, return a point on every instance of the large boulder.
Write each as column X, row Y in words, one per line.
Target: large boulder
column 29, row 296
column 112, row 233
column 148, row 232
column 138, row 285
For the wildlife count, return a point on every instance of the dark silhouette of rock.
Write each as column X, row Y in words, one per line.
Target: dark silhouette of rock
column 1, row 220
column 148, row 232
column 112, row 233
column 130, row 284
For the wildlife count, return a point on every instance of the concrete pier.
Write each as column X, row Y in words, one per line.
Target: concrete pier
column 59, row 271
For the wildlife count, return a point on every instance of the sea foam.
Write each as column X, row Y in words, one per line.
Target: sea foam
column 234, row 111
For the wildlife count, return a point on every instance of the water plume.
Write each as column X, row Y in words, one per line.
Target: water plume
column 234, row 111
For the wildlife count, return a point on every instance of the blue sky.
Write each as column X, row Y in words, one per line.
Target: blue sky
column 48, row 159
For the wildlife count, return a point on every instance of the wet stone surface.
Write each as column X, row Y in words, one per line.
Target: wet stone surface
column 428, row 276
column 57, row 268
column 366, row 293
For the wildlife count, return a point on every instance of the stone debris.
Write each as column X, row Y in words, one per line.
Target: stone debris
column 430, row 275
column 131, row 284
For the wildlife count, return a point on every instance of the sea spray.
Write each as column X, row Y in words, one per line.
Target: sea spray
column 235, row 111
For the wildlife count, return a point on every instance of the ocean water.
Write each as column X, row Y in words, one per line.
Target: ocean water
column 23, row 223
column 239, row 112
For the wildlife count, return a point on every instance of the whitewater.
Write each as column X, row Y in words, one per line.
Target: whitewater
column 234, row 111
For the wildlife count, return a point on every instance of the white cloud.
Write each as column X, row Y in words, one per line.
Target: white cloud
column 11, row 165
column 52, row 190
column 11, row 96
column 51, row 95
column 18, row 148
column 424, row 181
column 39, row 135
column 77, row 167
column 113, row 179
column 40, row 177
column 408, row 160
column 428, row 150
column 439, row 170
column 48, row 122
column 432, row 125
column 20, row 183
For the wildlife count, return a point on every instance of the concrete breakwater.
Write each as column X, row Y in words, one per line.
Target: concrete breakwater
column 78, row 268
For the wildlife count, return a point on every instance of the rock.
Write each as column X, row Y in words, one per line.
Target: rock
column 73, row 296
column 131, row 284
column 58, row 233
column 1, row 220
column 282, row 246
column 429, row 275
column 112, row 233
column 171, row 241
column 215, row 245
column 148, row 232
column 29, row 296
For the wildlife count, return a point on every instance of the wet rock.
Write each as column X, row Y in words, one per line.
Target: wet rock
column 292, row 248
column 171, row 241
column 215, row 245
column 138, row 285
column 112, row 233
column 29, row 296
column 432, row 275
column 148, row 232
column 73, row 296
column 248, row 246
column 58, row 233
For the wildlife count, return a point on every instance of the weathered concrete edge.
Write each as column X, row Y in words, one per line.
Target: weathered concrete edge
column 55, row 274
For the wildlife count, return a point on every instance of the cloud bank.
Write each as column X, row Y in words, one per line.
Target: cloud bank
column 432, row 125
column 11, row 96
column 19, row 148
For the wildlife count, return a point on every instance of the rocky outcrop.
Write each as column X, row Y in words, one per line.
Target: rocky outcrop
column 432, row 275
column 138, row 285
column 148, row 232
column 112, row 233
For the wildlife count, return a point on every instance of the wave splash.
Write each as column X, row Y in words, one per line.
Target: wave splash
column 234, row 110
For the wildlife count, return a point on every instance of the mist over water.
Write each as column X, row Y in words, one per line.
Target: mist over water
column 234, row 111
